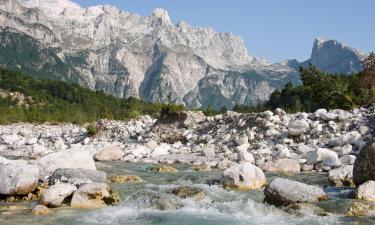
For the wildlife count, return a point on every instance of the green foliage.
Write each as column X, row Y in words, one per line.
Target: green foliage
column 58, row 101
column 91, row 129
column 321, row 90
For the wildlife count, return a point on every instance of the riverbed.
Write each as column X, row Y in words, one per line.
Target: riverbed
column 219, row 206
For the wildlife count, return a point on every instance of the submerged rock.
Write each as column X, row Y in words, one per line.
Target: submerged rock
column 359, row 208
column 90, row 196
column 306, row 209
column 282, row 165
column 166, row 169
column 155, row 200
column 65, row 159
column 55, row 195
column 18, row 179
column 77, row 176
column 40, row 210
column 125, row 179
column 364, row 166
column 189, row 192
column 284, row 192
column 244, row 176
column 109, row 153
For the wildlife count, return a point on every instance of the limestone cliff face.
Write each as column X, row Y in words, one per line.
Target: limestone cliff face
column 335, row 57
column 125, row 54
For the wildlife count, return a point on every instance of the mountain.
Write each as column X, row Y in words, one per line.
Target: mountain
column 125, row 54
column 334, row 57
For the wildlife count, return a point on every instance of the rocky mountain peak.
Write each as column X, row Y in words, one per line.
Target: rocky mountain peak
column 160, row 17
column 334, row 56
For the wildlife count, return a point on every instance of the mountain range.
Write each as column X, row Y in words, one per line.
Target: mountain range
column 149, row 57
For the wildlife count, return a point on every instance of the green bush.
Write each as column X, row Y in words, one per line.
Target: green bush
column 91, row 129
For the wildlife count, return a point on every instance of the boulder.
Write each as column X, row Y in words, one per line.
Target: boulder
column 110, row 153
column 141, row 151
column 320, row 155
column 282, row 165
column 91, row 195
column 189, row 192
column 55, row 195
column 191, row 118
column 65, row 159
column 284, row 192
column 348, row 138
column 298, row 127
column 77, row 176
column 342, row 176
column 154, row 200
column 244, row 176
column 18, row 179
column 359, row 208
column 209, row 151
column 366, row 191
column 161, row 150
column 243, row 154
column 348, row 159
column 364, row 166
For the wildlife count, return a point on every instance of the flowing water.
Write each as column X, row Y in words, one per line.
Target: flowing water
column 218, row 207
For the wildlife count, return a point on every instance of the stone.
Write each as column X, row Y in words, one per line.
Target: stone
column 329, row 116
column 201, row 168
column 185, row 192
column 18, row 179
column 243, row 176
column 65, row 159
column 155, row 200
column 298, row 127
column 366, row 191
column 320, row 155
column 141, row 151
column 306, row 209
column 224, row 164
column 55, row 195
column 209, row 151
column 348, row 138
column 166, row 169
column 110, row 153
column 303, row 149
column 348, row 159
column 282, row 165
column 284, row 192
column 191, row 118
column 280, row 112
column 3, row 161
column 77, row 176
column 152, row 144
column 364, row 166
column 40, row 210
column 125, row 179
column 343, row 150
column 342, row 176
column 91, row 195
column 358, row 208
column 364, row 130
column 161, row 150
column 243, row 154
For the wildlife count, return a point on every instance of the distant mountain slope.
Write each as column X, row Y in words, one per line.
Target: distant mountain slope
column 125, row 54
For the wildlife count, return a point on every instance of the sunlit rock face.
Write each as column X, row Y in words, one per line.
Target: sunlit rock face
column 126, row 54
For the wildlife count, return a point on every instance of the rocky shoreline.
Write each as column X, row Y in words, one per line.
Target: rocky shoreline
column 55, row 163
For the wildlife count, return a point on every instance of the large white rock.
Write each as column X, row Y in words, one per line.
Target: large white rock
column 320, row 155
column 55, row 195
column 298, row 127
column 141, row 151
column 348, row 138
column 90, row 196
column 109, row 153
column 65, row 159
column 243, row 176
column 161, row 150
column 18, row 179
column 341, row 173
column 284, row 192
column 366, row 191
column 243, row 154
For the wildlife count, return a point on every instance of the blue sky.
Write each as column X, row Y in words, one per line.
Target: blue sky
column 273, row 29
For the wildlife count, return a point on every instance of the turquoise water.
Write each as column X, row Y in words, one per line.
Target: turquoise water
column 218, row 207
